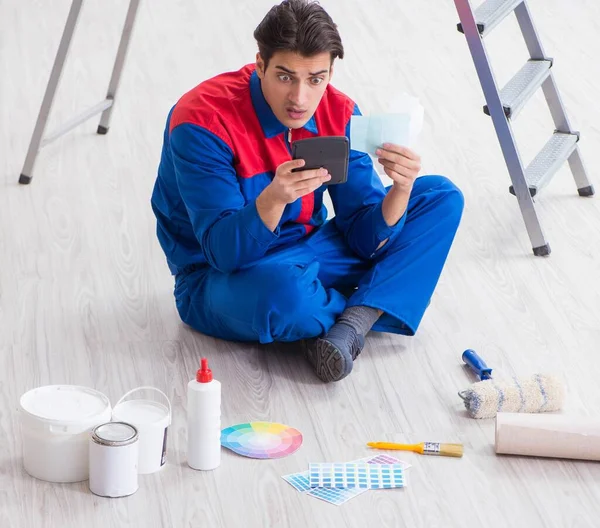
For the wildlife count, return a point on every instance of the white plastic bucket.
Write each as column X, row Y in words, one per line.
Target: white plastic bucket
column 152, row 420
column 56, row 421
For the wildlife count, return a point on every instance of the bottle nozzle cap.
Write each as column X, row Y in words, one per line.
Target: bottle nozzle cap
column 204, row 375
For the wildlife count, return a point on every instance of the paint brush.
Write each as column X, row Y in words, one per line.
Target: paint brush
column 424, row 448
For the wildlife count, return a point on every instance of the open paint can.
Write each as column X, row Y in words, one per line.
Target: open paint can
column 56, row 421
column 151, row 419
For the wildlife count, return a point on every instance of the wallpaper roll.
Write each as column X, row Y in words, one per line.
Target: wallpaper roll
column 548, row 435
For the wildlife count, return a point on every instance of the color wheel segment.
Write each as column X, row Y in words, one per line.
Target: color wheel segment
column 261, row 439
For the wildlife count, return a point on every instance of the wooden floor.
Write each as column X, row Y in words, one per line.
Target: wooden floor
column 86, row 296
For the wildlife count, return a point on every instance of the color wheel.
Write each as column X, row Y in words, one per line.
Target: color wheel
column 261, row 439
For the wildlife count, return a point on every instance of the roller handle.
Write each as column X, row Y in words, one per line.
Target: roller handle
column 477, row 365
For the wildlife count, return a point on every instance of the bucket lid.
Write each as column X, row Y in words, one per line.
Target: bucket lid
column 64, row 403
column 140, row 412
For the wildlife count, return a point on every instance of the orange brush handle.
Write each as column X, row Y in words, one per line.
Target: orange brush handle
column 424, row 448
column 416, row 448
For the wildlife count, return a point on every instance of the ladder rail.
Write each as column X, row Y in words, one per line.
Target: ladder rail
column 584, row 186
column 46, row 106
column 536, row 51
column 529, row 31
column 115, row 77
column 553, row 98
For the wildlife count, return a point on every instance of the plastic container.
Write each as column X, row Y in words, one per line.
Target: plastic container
column 113, row 451
column 204, row 420
column 56, row 421
column 152, row 420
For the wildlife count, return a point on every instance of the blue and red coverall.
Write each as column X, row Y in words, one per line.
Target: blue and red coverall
column 237, row 280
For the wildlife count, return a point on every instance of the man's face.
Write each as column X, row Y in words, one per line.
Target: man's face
column 293, row 85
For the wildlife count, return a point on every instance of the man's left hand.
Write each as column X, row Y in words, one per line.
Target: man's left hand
column 401, row 164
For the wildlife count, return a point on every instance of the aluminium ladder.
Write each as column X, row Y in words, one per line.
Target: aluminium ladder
column 37, row 139
column 504, row 105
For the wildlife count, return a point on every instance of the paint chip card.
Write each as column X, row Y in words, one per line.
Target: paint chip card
column 339, row 496
column 356, row 475
column 336, row 496
column 400, row 125
column 385, row 459
column 299, row 481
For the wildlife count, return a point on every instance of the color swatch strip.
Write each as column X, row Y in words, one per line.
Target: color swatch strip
column 356, row 475
column 338, row 496
column 299, row 481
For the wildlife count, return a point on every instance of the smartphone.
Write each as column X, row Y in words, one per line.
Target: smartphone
column 330, row 152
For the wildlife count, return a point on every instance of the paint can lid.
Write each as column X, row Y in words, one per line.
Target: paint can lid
column 115, row 434
column 64, row 403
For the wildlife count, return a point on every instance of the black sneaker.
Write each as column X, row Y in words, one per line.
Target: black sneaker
column 333, row 355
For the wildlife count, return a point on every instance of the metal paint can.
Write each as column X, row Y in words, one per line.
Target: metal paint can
column 114, row 460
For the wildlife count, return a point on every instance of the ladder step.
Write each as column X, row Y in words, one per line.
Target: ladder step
column 522, row 86
column 555, row 152
column 489, row 14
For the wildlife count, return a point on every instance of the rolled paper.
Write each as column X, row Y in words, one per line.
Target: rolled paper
column 548, row 435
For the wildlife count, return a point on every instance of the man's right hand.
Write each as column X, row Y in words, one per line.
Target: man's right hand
column 286, row 188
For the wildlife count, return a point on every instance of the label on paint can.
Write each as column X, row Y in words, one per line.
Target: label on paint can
column 163, row 459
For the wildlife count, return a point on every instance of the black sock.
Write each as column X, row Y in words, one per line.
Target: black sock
column 361, row 318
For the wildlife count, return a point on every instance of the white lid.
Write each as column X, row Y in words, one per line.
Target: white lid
column 115, row 432
column 140, row 412
column 64, row 403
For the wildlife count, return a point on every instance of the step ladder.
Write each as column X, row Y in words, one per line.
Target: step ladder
column 38, row 140
column 504, row 105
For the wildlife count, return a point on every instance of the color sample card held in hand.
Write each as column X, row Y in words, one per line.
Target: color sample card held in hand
column 401, row 124
column 356, row 475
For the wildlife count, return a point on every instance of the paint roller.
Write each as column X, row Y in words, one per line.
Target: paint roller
column 489, row 396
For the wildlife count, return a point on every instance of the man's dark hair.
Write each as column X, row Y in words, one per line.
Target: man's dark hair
column 301, row 26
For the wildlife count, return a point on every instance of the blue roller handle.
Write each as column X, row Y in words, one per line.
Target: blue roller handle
column 477, row 364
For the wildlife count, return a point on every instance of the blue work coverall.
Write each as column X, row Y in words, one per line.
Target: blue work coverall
column 237, row 280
